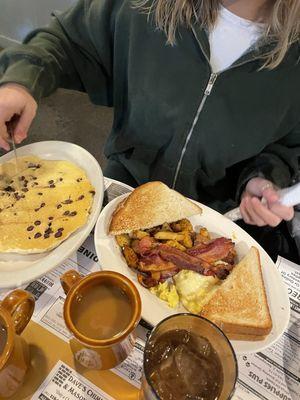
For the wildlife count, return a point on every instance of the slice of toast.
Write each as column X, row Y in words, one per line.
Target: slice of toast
column 240, row 307
column 151, row 205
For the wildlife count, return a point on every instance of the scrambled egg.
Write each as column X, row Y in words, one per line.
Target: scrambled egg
column 167, row 292
column 194, row 289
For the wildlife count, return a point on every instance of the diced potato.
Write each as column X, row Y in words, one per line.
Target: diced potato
column 185, row 225
column 187, row 240
column 204, row 232
column 169, row 236
column 139, row 234
column 130, row 257
column 123, row 240
column 155, row 275
column 177, row 245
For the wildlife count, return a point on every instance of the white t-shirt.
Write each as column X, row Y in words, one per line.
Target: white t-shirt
column 230, row 38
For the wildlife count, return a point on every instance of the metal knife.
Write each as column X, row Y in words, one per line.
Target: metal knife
column 287, row 197
column 10, row 129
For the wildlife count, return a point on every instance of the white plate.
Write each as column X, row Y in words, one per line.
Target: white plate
column 154, row 310
column 18, row 269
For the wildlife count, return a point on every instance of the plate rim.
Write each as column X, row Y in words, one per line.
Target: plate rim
column 86, row 229
column 259, row 345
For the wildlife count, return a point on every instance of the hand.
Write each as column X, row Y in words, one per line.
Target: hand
column 15, row 100
column 254, row 212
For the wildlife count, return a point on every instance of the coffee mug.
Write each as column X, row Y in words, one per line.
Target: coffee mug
column 95, row 353
column 16, row 310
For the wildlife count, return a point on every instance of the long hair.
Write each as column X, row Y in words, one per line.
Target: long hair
column 282, row 25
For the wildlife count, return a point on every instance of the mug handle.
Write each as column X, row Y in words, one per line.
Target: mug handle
column 69, row 278
column 20, row 304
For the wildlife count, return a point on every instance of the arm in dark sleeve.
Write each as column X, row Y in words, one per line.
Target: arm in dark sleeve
column 279, row 162
column 74, row 52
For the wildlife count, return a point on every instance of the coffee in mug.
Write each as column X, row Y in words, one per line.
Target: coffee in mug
column 102, row 311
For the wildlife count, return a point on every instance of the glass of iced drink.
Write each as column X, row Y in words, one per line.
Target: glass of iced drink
column 188, row 357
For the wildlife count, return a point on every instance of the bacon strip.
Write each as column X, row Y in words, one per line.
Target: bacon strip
column 215, row 250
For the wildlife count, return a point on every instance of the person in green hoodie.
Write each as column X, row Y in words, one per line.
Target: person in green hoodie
column 205, row 93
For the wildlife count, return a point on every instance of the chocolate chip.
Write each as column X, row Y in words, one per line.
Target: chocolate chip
column 48, row 231
column 40, row 193
column 43, row 205
column 14, row 213
column 93, row 192
column 61, row 179
column 35, row 183
column 51, row 218
column 32, row 165
column 50, row 223
column 46, row 235
column 58, row 234
column 22, row 178
column 79, row 179
column 81, row 197
column 34, row 178
column 29, row 237
column 25, row 182
column 50, row 182
column 73, row 213
column 36, row 209
column 59, row 206
column 66, row 212
column 9, row 189
column 52, row 186
column 25, row 190
column 37, row 235
column 30, row 228
column 68, row 201
column 36, row 223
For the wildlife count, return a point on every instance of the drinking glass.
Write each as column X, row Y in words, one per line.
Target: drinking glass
column 198, row 326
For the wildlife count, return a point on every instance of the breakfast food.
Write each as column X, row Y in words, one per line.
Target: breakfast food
column 239, row 306
column 151, row 205
column 42, row 202
column 159, row 250
column 179, row 265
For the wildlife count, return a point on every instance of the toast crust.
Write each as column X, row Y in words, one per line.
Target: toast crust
column 151, row 205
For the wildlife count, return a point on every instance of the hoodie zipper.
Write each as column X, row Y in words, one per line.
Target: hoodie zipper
column 207, row 91
column 212, row 79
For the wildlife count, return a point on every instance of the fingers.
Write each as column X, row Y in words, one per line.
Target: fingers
column 270, row 195
column 3, row 138
column 266, row 215
column 255, row 217
column 23, row 125
column 283, row 212
column 244, row 212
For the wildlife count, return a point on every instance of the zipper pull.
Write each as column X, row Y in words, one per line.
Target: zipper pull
column 210, row 84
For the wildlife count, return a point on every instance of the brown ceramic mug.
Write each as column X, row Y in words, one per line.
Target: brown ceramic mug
column 106, row 353
column 16, row 310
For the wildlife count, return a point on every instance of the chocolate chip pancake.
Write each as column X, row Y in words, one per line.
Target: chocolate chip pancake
column 41, row 204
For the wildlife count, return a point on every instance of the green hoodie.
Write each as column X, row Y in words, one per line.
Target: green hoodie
column 203, row 134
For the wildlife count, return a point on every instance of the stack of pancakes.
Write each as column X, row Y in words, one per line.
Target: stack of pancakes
column 41, row 203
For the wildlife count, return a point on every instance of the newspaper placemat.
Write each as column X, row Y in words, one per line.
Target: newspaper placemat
column 271, row 374
column 64, row 383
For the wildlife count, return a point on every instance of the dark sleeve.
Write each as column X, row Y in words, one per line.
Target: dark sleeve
column 74, row 52
column 279, row 162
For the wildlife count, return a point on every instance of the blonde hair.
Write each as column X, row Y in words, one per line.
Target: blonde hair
column 282, row 24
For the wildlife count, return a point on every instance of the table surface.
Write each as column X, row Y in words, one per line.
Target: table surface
column 46, row 349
